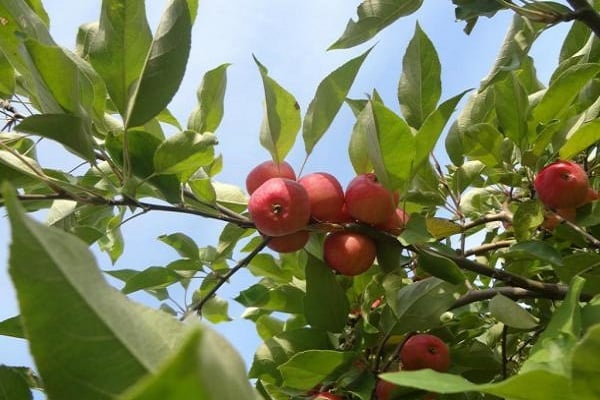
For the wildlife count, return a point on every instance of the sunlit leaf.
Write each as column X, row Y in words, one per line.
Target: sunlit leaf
column 587, row 135
column 306, row 369
column 211, row 94
column 511, row 314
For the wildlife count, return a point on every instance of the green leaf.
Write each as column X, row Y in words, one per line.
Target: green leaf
column 184, row 153
column 7, row 78
column 388, row 135
column 306, row 369
column 325, row 305
column 69, row 130
column 420, row 84
column 534, row 385
column 182, row 243
column 282, row 117
column 528, row 216
column 278, row 349
column 576, row 38
column 328, row 100
column 585, row 366
column 587, row 135
column 215, row 310
column 511, row 314
column 419, row 305
column 534, row 250
column 359, row 145
column 164, row 65
column 511, row 107
column 12, row 385
column 231, row 196
column 482, row 142
column 440, row 267
column 151, row 278
column 12, row 327
column 119, row 47
column 553, row 350
column 561, row 93
column 83, row 315
column 204, row 366
column 211, row 93
column 373, row 16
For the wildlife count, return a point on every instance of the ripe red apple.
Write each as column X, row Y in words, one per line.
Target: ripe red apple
column 267, row 170
column 368, row 200
column 562, row 184
column 395, row 223
column 425, row 351
column 343, row 217
column 289, row 243
column 327, row 396
column 384, row 389
column 325, row 194
column 279, row 207
column 349, row 253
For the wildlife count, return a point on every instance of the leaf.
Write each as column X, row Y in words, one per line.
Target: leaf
column 211, row 93
column 325, row 305
column 215, row 310
column 231, row 196
column 69, row 130
column 512, row 104
column 184, row 153
column 328, row 100
column 419, row 305
column 12, row 385
column 420, row 84
column 83, row 315
column 561, row 93
column 12, row 327
column 373, row 16
column 440, row 267
column 534, row 385
column 511, row 314
column 182, row 243
column 358, row 146
column 164, row 67
column 282, row 117
column 528, row 216
column 278, row 349
column 306, row 369
column 151, row 278
column 585, row 366
column 587, row 135
column 388, row 135
column 534, row 250
column 442, row 228
column 7, row 78
column 204, row 367
column 482, row 142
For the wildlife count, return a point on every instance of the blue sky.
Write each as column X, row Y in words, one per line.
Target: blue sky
column 290, row 38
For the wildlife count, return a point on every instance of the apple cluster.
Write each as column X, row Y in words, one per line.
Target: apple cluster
column 420, row 351
column 282, row 207
column 563, row 186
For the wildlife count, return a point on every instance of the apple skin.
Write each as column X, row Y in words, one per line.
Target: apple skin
column 551, row 221
column 325, row 194
column 349, row 253
column 289, row 243
column 369, row 201
column 425, row 351
column 279, row 207
column 327, row 396
column 267, row 170
column 396, row 222
column 384, row 389
column 562, row 184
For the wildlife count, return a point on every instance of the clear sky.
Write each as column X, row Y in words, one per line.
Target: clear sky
column 290, row 38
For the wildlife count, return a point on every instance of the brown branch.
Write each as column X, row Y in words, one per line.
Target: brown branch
column 514, row 293
column 585, row 13
column 484, row 248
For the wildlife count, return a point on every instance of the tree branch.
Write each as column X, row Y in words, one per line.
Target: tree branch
column 584, row 12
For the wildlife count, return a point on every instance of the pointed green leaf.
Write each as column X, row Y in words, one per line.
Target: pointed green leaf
column 325, row 305
column 55, row 272
column 182, row 243
column 215, row 310
column 207, row 116
column 586, row 365
column 511, row 108
column 440, row 267
column 184, row 153
column 7, row 78
column 587, row 135
column 306, row 369
column 510, row 313
column 482, row 142
column 534, row 250
column 388, row 135
column 420, row 84
column 151, row 278
column 281, row 121
column 164, row 66
column 12, row 385
column 358, row 148
column 71, row 131
column 204, row 367
column 12, row 327
column 373, row 16
column 328, row 100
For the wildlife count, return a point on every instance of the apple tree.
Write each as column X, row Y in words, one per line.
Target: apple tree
column 472, row 274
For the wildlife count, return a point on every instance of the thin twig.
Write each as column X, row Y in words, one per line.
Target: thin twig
column 584, row 12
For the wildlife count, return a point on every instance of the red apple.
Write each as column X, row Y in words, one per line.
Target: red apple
column 562, row 184
column 267, row 170
column 327, row 396
column 289, row 243
column 279, row 207
column 326, row 195
column 343, row 217
column 384, row 389
column 368, row 200
column 396, row 222
column 349, row 253
column 551, row 220
column 425, row 351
